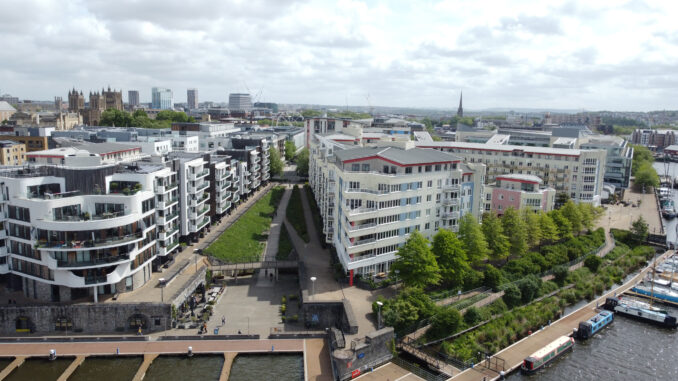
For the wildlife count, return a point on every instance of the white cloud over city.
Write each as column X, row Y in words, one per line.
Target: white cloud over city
column 593, row 55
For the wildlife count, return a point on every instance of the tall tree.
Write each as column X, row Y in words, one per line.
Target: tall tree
column 276, row 165
column 451, row 257
column 646, row 176
column 532, row 226
column 290, row 150
column 416, row 263
column 516, row 231
column 640, row 230
column 571, row 212
column 472, row 237
column 549, row 230
column 302, row 162
column 497, row 241
column 563, row 224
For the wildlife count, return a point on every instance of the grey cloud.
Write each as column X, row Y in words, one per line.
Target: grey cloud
column 533, row 24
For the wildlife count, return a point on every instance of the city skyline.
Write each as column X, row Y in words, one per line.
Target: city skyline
column 564, row 55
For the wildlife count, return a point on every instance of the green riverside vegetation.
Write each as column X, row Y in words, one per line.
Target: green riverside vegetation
column 244, row 240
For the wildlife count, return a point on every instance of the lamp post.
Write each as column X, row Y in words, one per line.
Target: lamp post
column 380, row 304
column 313, row 286
column 396, row 282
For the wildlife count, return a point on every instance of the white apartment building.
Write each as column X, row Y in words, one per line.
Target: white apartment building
column 372, row 198
column 577, row 172
column 192, row 172
column 78, row 232
column 88, row 154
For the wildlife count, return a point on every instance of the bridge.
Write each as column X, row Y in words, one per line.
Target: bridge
column 256, row 265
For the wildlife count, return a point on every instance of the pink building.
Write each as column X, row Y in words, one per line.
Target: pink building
column 518, row 192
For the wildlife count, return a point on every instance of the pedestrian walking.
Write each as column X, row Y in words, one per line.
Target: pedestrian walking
column 223, row 320
column 139, row 331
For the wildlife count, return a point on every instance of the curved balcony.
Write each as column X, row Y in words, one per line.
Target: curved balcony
column 100, row 262
column 88, row 244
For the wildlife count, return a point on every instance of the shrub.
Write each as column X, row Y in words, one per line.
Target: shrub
column 283, row 308
column 473, row 316
column 284, row 300
column 492, row 277
column 444, row 323
column 593, row 262
column 560, row 274
column 512, row 296
column 529, row 288
column 472, row 279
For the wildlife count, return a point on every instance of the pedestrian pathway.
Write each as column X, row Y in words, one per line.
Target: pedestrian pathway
column 263, row 278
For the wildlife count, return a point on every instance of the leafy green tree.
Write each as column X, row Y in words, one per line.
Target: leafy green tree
column 587, row 213
column 113, row 117
column 560, row 273
column 276, row 165
column 497, row 241
column 302, row 162
column 532, row 226
column 512, row 296
column 561, row 199
column 411, row 306
column 529, row 288
column 473, row 316
column 646, row 176
column 593, row 262
column 640, row 230
column 641, row 154
column 265, row 122
column 444, row 322
column 451, row 257
column 492, row 277
column 571, row 212
column 549, row 230
column 290, row 150
column 472, row 237
column 563, row 224
column 516, row 231
column 416, row 262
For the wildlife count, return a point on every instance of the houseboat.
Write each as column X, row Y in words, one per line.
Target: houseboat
column 594, row 325
column 552, row 351
column 641, row 311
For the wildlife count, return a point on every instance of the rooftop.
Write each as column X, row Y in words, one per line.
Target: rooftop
column 500, row 147
column 4, row 106
column 519, row 177
column 400, row 156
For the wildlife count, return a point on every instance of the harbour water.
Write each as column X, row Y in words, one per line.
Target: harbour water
column 203, row 367
column 121, row 368
column 40, row 369
column 282, row 367
column 670, row 226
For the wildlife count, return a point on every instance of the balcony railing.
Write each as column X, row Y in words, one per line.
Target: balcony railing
column 451, row 187
column 89, row 243
column 361, row 210
column 450, row 201
column 95, row 279
column 363, row 241
column 363, row 226
column 98, row 261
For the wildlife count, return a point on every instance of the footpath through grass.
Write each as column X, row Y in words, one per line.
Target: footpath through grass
column 244, row 240
column 295, row 214
column 284, row 244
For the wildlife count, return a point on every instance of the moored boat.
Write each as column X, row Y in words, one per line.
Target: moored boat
column 592, row 326
column 550, row 352
column 641, row 311
column 658, row 292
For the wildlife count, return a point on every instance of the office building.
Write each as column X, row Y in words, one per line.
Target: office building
column 133, row 98
column 161, row 99
column 655, row 140
column 192, row 98
column 239, row 102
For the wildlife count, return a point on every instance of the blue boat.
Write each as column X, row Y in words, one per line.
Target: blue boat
column 593, row 325
column 656, row 292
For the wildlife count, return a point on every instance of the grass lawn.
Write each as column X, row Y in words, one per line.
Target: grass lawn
column 284, row 244
column 244, row 240
column 295, row 214
column 315, row 212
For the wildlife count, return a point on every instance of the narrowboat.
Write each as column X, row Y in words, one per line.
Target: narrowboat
column 641, row 311
column 552, row 351
column 594, row 325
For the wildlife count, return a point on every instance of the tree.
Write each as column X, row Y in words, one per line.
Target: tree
column 290, row 150
column 646, row 176
column 472, row 316
column 571, row 212
column 641, row 154
column 492, row 277
column 588, row 214
column 593, row 262
column 512, row 296
column 516, row 231
column 472, row 237
column 416, row 262
column 560, row 273
column 640, row 230
column 562, row 223
column 561, row 199
column 532, row 226
column 451, row 257
column 497, row 241
column 549, row 230
column 276, row 165
column 113, row 117
column 444, row 323
column 529, row 288
column 302, row 162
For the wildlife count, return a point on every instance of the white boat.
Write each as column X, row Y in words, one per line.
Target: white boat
column 641, row 312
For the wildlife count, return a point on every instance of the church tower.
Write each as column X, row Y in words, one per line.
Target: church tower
column 460, row 110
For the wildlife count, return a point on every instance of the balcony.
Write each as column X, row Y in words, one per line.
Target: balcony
column 160, row 189
column 226, row 184
column 95, row 279
column 450, row 201
column 363, row 226
column 96, row 262
column 363, row 241
column 266, row 176
column 451, row 187
column 90, row 243
column 226, row 195
column 362, row 190
column 256, row 168
column 449, row 215
column 161, row 220
column 353, row 212
column 199, row 175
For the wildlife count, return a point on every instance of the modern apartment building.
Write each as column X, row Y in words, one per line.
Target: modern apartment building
column 372, row 198
column 192, row 98
column 619, row 158
column 518, row 192
column 656, row 140
column 576, row 172
column 192, row 172
column 161, row 99
column 133, row 98
column 80, row 231
column 222, row 173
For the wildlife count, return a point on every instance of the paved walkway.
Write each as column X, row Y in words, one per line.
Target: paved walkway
column 621, row 217
column 391, row 372
column 273, row 238
column 317, row 360
column 516, row 353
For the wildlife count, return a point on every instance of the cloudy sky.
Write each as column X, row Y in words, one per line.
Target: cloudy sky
column 594, row 54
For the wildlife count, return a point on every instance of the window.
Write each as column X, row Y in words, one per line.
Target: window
column 428, row 197
column 355, row 167
column 429, row 183
column 366, row 167
column 408, row 170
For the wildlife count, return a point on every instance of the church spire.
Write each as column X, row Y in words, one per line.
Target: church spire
column 460, row 110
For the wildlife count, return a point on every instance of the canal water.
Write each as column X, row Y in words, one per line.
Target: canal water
column 670, row 226
column 280, row 367
column 40, row 369
column 203, row 368
column 627, row 350
column 121, row 368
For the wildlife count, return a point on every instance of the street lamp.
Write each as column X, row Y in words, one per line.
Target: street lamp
column 313, row 286
column 380, row 304
column 396, row 281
